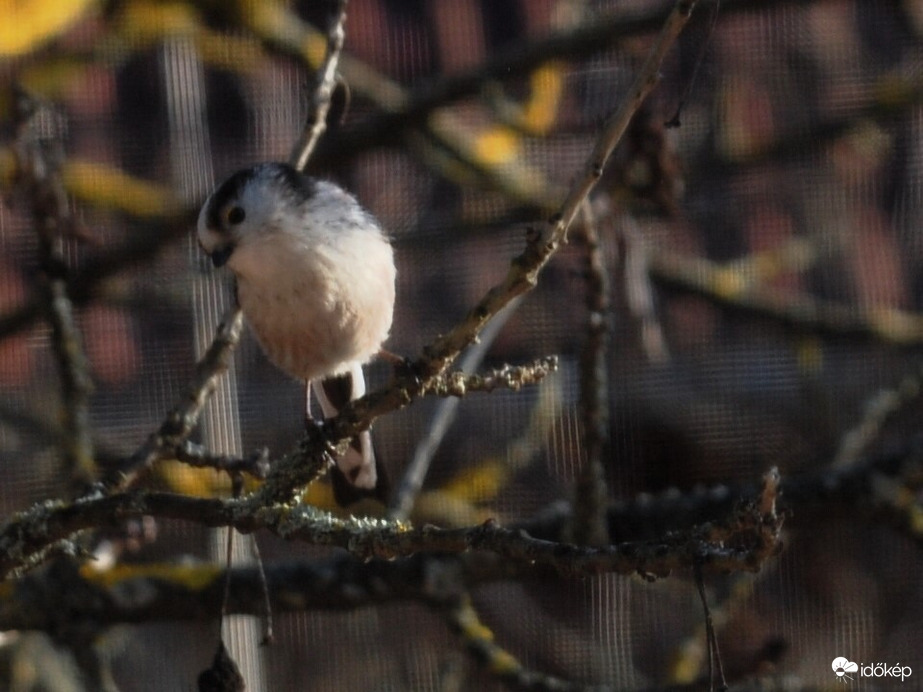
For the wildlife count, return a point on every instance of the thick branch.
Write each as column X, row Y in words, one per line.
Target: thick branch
column 592, row 496
column 743, row 544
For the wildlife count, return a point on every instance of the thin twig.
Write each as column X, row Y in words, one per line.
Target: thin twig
column 195, row 455
column 502, row 664
column 591, row 493
column 40, row 180
column 169, row 440
column 674, row 120
column 416, row 471
column 801, row 312
column 879, row 409
column 638, row 292
column 714, row 654
column 316, row 122
column 268, row 634
column 614, row 129
column 513, row 377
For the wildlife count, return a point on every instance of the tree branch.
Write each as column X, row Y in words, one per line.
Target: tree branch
column 751, row 537
column 39, row 178
column 169, row 439
column 522, row 277
column 316, row 122
column 591, row 493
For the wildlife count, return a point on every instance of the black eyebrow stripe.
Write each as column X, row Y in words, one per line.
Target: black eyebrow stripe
column 229, row 189
column 298, row 186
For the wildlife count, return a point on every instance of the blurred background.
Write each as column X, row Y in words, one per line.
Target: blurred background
column 758, row 229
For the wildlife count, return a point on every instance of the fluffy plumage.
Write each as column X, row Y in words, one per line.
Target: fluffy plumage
column 315, row 278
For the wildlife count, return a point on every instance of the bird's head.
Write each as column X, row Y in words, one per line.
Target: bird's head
column 250, row 204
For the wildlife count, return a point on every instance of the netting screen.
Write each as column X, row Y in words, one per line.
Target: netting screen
column 732, row 416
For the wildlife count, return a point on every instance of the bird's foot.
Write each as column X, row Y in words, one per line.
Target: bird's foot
column 403, row 367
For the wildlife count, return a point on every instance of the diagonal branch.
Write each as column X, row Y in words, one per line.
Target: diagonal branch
column 182, row 419
column 541, row 245
column 316, row 122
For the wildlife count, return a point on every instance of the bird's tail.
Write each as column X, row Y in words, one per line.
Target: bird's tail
column 357, row 473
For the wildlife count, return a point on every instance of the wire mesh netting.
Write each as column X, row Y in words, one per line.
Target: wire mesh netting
column 741, row 292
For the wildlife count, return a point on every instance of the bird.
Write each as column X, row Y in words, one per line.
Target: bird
column 315, row 279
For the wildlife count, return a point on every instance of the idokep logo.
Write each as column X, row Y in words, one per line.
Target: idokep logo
column 842, row 667
column 847, row 670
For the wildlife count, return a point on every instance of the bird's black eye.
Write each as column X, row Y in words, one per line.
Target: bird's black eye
column 236, row 215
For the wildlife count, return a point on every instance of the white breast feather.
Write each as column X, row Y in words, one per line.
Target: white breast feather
column 319, row 299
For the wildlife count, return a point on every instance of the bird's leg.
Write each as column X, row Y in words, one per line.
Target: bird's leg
column 308, row 418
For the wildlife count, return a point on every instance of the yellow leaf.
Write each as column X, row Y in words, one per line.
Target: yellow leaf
column 7, row 167
column 441, row 508
column 239, row 54
column 106, row 186
column 145, row 22
column 496, row 146
column 193, row 577
column 27, row 23
column 480, row 483
column 187, row 480
column 49, row 78
column 540, row 111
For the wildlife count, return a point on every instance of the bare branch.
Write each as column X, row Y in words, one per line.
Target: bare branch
column 479, row 640
column 256, row 465
column 802, row 312
column 316, row 122
column 513, row 377
column 879, row 409
column 169, row 439
column 750, row 538
column 39, row 177
column 412, row 481
column 591, row 493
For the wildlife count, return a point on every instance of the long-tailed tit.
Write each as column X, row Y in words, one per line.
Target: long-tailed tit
column 315, row 280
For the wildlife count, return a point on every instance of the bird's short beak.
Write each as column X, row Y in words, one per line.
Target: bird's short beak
column 221, row 255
